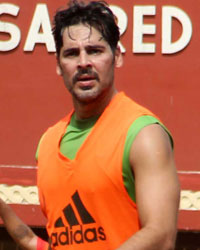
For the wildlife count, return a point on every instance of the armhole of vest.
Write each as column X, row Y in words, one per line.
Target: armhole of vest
column 38, row 148
column 135, row 128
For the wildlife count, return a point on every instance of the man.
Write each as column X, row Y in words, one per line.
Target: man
column 106, row 172
column 19, row 231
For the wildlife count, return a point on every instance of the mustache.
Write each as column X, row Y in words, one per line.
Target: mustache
column 85, row 71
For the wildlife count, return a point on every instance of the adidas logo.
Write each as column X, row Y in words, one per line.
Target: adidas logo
column 75, row 232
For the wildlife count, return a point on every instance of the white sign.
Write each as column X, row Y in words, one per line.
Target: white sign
column 41, row 21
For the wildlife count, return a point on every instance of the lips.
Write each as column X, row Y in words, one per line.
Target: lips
column 86, row 82
column 86, row 78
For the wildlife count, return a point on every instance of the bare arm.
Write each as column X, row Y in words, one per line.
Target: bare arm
column 20, row 232
column 157, row 191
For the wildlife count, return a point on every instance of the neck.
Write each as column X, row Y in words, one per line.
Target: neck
column 93, row 108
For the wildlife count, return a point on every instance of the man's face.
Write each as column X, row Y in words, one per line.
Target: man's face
column 86, row 63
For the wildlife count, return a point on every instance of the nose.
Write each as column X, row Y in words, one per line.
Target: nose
column 84, row 60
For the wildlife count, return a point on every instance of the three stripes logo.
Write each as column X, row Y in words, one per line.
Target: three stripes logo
column 75, row 232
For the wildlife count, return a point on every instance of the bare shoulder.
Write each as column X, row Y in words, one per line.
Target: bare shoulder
column 152, row 161
column 151, row 145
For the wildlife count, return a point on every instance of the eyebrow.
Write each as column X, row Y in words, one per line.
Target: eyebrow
column 87, row 47
column 70, row 50
column 95, row 47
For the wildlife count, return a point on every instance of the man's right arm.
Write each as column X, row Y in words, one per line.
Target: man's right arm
column 18, row 230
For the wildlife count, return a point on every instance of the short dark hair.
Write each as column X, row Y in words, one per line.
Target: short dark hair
column 96, row 14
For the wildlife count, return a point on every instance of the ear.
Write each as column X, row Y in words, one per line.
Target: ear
column 118, row 57
column 58, row 70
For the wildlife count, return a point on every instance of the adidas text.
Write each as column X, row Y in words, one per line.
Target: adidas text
column 77, row 236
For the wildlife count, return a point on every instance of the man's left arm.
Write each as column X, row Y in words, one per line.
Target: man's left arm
column 157, row 191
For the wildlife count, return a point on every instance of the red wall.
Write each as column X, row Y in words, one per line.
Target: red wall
column 34, row 97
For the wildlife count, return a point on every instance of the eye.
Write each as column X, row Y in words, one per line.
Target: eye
column 70, row 53
column 94, row 51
